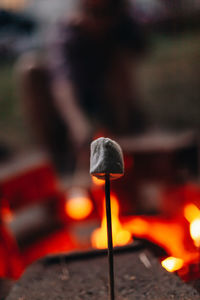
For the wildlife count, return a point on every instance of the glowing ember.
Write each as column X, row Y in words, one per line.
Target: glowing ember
column 172, row 264
column 191, row 212
column 97, row 181
column 195, row 231
column 78, row 206
column 120, row 235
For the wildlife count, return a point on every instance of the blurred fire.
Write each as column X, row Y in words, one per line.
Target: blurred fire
column 174, row 235
column 169, row 234
column 172, row 264
column 120, row 235
column 78, row 205
column 97, row 181
column 191, row 212
column 195, row 231
column 178, row 234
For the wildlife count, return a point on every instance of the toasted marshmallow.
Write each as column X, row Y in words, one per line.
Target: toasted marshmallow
column 106, row 157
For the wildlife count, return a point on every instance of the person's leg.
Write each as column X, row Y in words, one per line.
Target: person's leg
column 48, row 128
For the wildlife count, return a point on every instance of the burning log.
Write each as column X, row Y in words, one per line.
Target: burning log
column 83, row 276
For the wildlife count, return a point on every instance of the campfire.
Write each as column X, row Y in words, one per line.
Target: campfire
column 177, row 233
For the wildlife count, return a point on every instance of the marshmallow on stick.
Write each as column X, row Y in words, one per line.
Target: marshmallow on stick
column 106, row 158
column 106, row 162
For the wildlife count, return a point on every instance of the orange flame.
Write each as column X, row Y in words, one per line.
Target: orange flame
column 195, row 231
column 172, row 264
column 78, row 206
column 120, row 235
column 191, row 212
column 97, row 181
column 168, row 234
column 172, row 234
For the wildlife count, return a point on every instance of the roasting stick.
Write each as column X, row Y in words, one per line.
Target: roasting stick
column 106, row 162
column 109, row 235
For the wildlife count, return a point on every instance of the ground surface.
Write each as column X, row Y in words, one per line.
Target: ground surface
column 138, row 276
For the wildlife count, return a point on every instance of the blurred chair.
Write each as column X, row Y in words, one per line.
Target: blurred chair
column 32, row 210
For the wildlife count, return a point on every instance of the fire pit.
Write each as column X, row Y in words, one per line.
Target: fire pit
column 84, row 276
column 170, row 231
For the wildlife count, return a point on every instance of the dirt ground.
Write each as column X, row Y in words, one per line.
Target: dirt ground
column 138, row 276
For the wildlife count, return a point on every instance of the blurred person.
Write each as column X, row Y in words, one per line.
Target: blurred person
column 91, row 83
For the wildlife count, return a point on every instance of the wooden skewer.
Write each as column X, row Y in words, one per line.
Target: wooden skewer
column 109, row 236
column 106, row 161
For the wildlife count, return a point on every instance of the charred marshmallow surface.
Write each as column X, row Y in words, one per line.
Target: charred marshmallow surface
column 106, row 157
